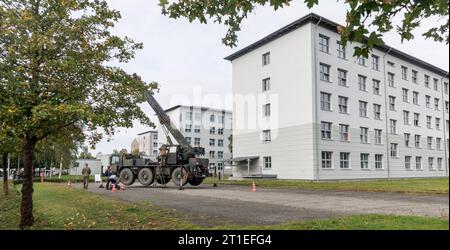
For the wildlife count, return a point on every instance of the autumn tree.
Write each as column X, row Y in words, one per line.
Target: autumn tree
column 366, row 21
column 59, row 72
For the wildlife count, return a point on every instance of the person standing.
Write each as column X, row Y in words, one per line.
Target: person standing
column 86, row 172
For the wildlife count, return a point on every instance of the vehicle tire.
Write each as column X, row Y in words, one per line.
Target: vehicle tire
column 127, row 177
column 145, row 176
column 196, row 181
column 176, row 176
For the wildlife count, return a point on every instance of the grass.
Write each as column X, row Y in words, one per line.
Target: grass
column 426, row 186
column 59, row 207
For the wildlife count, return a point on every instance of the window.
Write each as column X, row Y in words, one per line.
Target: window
column 447, row 107
column 439, row 163
column 220, row 131
column 212, row 142
column 197, row 129
column 392, row 103
column 416, row 119
column 220, row 154
column 407, row 162
column 343, row 132
column 378, row 161
column 377, row 111
column 364, row 161
column 362, row 83
column 376, row 87
column 418, row 162
column 198, row 116
column 378, row 133
column 362, row 61
column 430, row 142
column 324, row 43
column 362, row 109
column 342, row 77
column 407, row 138
column 324, row 72
column 212, row 130
column 343, row 104
column 266, row 84
column 189, row 116
column 188, row 140
column 417, row 141
column 404, row 73
column 188, row 128
column 197, row 141
column 391, row 79
column 438, row 123
column 416, row 98
column 428, row 121
column 428, row 101
column 212, row 154
column 266, row 59
column 436, row 103
column 438, row 143
column 327, row 159
column 375, row 62
column 406, row 117
column 267, row 137
column 267, row 162
column 394, row 151
column 436, row 84
column 155, row 144
column 427, row 81
column 212, row 118
column 266, row 110
column 325, row 101
column 326, row 130
column 345, row 160
column 414, row 76
column 405, row 95
column 446, row 88
column 393, row 126
column 341, row 50
column 430, row 163
column 155, row 136
column 220, row 143
column 391, row 64
column 364, row 135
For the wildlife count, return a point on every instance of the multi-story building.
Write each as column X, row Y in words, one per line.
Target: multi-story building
column 206, row 127
column 323, row 114
column 147, row 144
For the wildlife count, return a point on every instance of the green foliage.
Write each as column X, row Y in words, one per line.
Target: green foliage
column 366, row 20
column 57, row 77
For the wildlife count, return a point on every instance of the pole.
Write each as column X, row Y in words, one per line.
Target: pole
column 181, row 178
column 9, row 166
column 60, row 167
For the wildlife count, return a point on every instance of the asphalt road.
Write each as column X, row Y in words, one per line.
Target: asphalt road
column 209, row 206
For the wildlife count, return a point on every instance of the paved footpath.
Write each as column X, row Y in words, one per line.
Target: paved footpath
column 209, row 206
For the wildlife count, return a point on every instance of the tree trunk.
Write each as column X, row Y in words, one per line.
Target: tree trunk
column 5, row 175
column 26, row 208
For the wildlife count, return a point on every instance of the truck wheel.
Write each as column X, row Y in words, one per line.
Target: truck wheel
column 126, row 177
column 145, row 176
column 176, row 176
column 196, row 181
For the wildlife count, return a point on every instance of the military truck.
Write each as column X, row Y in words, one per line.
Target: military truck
column 180, row 162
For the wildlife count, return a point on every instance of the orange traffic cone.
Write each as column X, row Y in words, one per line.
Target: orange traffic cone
column 69, row 184
column 122, row 187
column 253, row 187
column 113, row 188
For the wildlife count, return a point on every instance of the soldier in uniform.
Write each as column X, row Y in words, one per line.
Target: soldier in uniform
column 86, row 172
column 163, row 154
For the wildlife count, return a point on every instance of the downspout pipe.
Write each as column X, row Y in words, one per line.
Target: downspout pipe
column 316, row 112
column 444, row 124
column 386, row 114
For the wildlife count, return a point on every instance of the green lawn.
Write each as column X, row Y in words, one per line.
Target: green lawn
column 57, row 206
column 428, row 185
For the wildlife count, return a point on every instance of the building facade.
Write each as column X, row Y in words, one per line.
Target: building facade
column 322, row 114
column 147, row 144
column 204, row 127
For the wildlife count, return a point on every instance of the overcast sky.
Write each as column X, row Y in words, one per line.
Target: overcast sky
column 184, row 56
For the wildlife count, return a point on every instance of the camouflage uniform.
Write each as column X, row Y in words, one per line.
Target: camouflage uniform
column 86, row 172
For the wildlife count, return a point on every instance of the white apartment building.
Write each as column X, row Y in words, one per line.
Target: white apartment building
column 147, row 144
column 323, row 114
column 205, row 127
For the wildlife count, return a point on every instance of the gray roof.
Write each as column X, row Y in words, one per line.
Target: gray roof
column 314, row 18
column 148, row 132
